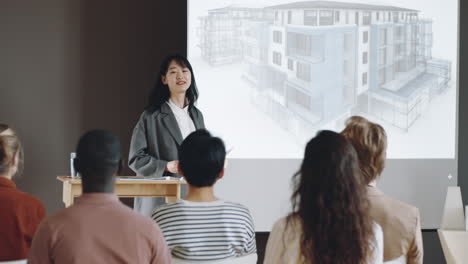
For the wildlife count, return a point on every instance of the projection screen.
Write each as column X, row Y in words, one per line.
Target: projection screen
column 272, row 74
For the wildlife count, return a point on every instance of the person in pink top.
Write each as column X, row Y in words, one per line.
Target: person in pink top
column 98, row 228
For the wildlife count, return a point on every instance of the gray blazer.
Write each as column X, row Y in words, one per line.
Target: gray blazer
column 156, row 139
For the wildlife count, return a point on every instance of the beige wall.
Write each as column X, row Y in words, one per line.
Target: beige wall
column 68, row 66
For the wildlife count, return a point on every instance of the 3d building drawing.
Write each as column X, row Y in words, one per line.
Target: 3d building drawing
column 313, row 62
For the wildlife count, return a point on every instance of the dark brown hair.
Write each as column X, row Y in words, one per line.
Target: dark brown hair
column 329, row 201
column 10, row 146
column 370, row 142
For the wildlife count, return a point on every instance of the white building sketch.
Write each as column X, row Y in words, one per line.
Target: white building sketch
column 313, row 62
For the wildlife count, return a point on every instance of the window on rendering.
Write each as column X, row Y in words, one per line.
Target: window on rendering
column 356, row 18
column 383, row 56
column 277, row 58
column 337, row 16
column 303, row 71
column 277, row 36
column 290, row 64
column 365, row 37
column 365, row 57
column 326, row 17
column 298, row 44
column 383, row 37
column 377, row 14
column 366, row 18
column 382, row 77
column 395, row 17
column 348, row 44
column 289, row 17
column 305, row 45
column 347, row 17
column 364, row 79
column 398, row 49
column 399, row 33
column 345, row 67
column 310, row 17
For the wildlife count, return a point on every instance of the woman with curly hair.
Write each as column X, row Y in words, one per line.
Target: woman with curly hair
column 329, row 222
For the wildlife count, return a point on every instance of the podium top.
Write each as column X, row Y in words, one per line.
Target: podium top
column 130, row 180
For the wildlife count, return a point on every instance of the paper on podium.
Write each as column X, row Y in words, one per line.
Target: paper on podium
column 134, row 178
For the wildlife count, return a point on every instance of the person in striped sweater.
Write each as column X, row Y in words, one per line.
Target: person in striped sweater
column 203, row 227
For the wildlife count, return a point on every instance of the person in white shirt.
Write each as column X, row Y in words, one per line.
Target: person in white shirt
column 168, row 118
column 202, row 227
column 330, row 221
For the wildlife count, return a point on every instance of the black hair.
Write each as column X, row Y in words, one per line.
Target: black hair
column 201, row 158
column 98, row 157
column 160, row 93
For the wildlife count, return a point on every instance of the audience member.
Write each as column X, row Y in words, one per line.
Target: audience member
column 20, row 213
column 98, row 228
column 203, row 227
column 400, row 222
column 329, row 223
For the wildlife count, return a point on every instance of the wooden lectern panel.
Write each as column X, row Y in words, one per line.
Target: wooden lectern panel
column 128, row 187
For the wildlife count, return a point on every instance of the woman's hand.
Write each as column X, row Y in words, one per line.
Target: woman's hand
column 173, row 166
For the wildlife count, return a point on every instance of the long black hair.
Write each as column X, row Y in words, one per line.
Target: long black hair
column 330, row 203
column 160, row 93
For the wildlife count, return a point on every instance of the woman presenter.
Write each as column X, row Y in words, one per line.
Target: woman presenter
column 169, row 117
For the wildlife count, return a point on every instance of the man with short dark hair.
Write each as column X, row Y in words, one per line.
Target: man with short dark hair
column 203, row 227
column 98, row 228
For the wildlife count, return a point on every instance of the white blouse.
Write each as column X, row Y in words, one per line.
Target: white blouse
column 283, row 246
column 183, row 119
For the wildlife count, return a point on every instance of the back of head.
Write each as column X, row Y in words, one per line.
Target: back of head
column 10, row 147
column 370, row 141
column 329, row 202
column 98, row 157
column 201, row 158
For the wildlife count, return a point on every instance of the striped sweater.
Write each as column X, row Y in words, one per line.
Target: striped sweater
column 206, row 231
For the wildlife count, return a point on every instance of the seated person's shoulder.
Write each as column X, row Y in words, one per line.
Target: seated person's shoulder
column 235, row 205
column 167, row 208
column 288, row 229
column 408, row 210
column 400, row 217
column 29, row 201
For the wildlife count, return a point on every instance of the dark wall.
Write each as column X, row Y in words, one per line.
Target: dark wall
column 462, row 105
column 68, row 66
column 40, row 84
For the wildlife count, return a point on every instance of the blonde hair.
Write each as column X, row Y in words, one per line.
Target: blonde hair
column 370, row 141
column 10, row 146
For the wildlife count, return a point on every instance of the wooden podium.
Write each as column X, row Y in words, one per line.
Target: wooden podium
column 127, row 187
